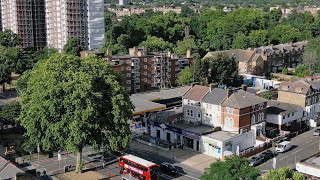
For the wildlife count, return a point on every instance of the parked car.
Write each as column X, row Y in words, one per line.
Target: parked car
column 254, row 161
column 283, row 146
column 265, row 156
column 285, row 138
column 316, row 132
column 168, row 168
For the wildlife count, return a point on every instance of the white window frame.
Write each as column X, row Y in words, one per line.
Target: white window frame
column 253, row 119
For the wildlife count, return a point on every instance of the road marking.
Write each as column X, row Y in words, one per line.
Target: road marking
column 297, row 151
column 188, row 176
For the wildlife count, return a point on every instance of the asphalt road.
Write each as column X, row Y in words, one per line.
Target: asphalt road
column 93, row 159
column 304, row 146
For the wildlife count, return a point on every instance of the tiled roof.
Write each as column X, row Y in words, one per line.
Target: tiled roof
column 239, row 54
column 196, row 93
column 216, row 96
column 276, row 107
column 242, row 99
column 299, row 86
column 7, row 169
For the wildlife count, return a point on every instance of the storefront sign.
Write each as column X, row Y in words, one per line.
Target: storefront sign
column 190, row 134
column 167, row 127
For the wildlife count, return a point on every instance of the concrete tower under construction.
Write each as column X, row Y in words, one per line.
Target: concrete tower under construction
column 82, row 19
column 27, row 19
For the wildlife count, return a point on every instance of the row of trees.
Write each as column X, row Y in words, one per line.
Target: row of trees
column 209, row 30
column 236, row 168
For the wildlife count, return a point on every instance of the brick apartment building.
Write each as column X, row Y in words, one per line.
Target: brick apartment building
column 144, row 70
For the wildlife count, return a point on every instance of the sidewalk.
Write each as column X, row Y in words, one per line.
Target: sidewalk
column 187, row 157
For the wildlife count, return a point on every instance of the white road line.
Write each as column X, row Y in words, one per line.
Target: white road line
column 297, row 151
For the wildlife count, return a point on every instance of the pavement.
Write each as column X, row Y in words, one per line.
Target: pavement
column 304, row 145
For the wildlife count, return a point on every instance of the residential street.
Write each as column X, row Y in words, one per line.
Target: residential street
column 304, row 146
column 92, row 159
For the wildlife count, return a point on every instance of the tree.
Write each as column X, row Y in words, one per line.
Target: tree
column 283, row 173
column 186, row 76
column 9, row 62
column 234, row 168
column 156, row 44
column 85, row 103
column 259, row 38
column 301, row 70
column 184, row 45
column 241, row 41
column 73, row 46
column 9, row 39
column 266, row 95
column 10, row 112
column 285, row 71
column 284, row 34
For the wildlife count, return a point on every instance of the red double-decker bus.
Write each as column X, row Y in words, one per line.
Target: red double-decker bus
column 135, row 168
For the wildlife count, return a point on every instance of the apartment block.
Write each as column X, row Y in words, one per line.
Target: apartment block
column 82, row 19
column 145, row 70
column 27, row 19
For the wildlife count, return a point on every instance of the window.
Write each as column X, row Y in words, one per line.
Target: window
column 199, row 114
column 293, row 114
column 128, row 68
column 228, row 122
column 128, row 75
column 122, row 68
column 128, row 82
column 229, row 110
column 188, row 113
column 145, row 59
column 253, row 119
column 262, row 116
column 145, row 66
column 128, row 61
column 259, row 117
column 145, row 80
column 188, row 101
column 145, row 73
column 253, row 107
column 191, row 113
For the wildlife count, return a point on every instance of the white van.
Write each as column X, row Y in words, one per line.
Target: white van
column 283, row 146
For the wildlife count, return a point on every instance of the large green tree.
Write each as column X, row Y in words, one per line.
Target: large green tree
column 70, row 103
column 73, row 46
column 9, row 39
column 9, row 62
column 9, row 113
column 156, row 44
column 233, row 168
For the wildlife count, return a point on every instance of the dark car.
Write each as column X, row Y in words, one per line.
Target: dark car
column 265, row 156
column 168, row 168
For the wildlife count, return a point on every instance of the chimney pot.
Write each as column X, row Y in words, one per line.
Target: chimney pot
column 213, row 86
column 244, row 87
column 229, row 92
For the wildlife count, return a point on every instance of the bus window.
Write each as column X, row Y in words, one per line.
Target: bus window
column 154, row 172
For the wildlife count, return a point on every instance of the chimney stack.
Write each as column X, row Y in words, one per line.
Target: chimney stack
column 109, row 52
column 188, row 53
column 229, row 92
column 213, row 86
column 244, row 87
column 169, row 54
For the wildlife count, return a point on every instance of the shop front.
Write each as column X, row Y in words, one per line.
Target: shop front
column 191, row 140
column 212, row 147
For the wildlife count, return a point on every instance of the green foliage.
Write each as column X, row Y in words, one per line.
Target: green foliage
column 266, row 95
column 259, row 38
column 186, row 76
column 184, row 45
column 10, row 112
column 85, row 103
column 231, row 169
column 9, row 62
column 285, row 71
column 284, row 34
column 301, row 71
column 9, row 39
column 73, row 46
column 283, row 173
column 311, row 55
column 156, row 44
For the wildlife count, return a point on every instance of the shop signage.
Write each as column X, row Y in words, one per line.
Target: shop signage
column 191, row 134
column 167, row 127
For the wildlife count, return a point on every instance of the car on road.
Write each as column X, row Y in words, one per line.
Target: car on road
column 265, row 156
column 283, row 146
column 168, row 168
column 316, row 132
column 254, row 161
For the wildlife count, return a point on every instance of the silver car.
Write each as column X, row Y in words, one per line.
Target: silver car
column 316, row 132
column 254, row 161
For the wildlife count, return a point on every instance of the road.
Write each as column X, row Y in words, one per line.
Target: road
column 93, row 159
column 304, row 146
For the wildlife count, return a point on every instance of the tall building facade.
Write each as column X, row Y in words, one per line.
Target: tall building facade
column 26, row 18
column 82, row 19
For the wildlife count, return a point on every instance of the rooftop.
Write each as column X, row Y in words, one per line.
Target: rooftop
column 276, row 107
column 143, row 102
column 7, row 169
column 196, row 93
column 138, row 160
column 216, row 96
column 242, row 99
column 222, row 135
column 163, row 116
column 300, row 86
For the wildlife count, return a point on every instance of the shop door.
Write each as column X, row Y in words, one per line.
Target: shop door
column 188, row 142
column 168, row 136
column 158, row 133
column 198, row 146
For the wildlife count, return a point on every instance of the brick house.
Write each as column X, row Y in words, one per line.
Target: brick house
column 305, row 93
column 242, row 112
column 143, row 70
